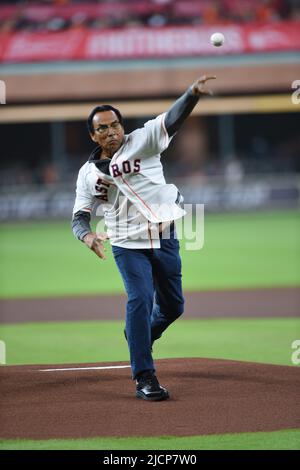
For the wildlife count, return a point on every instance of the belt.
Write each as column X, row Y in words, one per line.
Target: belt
column 163, row 225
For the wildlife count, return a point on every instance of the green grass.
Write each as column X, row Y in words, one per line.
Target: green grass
column 278, row 440
column 240, row 251
column 254, row 340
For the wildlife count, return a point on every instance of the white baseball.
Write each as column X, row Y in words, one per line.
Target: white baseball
column 217, row 39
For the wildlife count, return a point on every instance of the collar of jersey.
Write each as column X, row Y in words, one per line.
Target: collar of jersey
column 94, row 156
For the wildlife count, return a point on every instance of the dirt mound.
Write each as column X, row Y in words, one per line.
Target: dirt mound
column 207, row 397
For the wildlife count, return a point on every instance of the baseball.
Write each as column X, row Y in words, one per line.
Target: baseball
column 217, row 39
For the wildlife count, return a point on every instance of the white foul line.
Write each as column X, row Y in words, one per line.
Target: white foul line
column 84, row 368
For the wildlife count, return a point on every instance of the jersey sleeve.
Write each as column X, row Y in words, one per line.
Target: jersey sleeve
column 84, row 197
column 157, row 137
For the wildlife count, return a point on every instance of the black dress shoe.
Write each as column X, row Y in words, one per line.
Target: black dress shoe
column 148, row 388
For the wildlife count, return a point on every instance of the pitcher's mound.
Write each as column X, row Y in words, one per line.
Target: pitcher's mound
column 207, row 397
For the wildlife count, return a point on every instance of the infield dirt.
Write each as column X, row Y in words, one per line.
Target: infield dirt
column 207, row 397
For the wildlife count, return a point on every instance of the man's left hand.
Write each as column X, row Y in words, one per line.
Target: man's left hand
column 198, row 88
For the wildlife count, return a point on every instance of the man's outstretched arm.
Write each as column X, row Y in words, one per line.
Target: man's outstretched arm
column 183, row 107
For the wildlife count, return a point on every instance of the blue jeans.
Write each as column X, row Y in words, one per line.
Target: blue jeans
column 152, row 279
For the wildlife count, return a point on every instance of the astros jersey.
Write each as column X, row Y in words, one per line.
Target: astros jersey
column 134, row 197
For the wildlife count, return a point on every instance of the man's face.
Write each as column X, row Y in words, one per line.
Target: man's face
column 108, row 132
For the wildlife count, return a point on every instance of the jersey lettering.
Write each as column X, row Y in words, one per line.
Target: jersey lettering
column 115, row 170
column 101, row 187
column 137, row 165
column 100, row 183
column 126, row 167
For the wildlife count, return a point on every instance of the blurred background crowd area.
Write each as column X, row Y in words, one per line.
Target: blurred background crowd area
column 48, row 153
column 59, row 15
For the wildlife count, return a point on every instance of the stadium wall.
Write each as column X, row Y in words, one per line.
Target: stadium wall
column 252, row 193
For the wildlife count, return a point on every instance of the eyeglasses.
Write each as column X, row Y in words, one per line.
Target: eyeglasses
column 104, row 129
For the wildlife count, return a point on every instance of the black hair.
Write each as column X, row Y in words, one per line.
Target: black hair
column 100, row 109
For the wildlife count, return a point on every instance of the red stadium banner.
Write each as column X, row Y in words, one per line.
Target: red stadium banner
column 138, row 42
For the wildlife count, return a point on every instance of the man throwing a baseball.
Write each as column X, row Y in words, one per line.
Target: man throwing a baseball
column 125, row 176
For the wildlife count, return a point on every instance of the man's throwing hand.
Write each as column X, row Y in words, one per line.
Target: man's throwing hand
column 198, row 88
column 94, row 242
